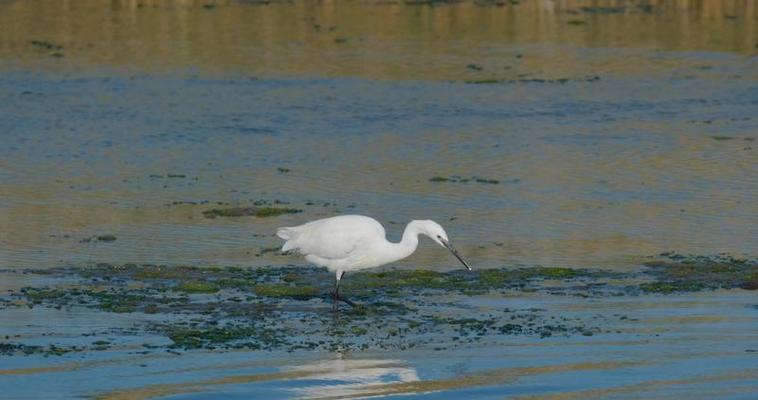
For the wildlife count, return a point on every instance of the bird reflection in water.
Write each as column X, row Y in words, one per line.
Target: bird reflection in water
column 347, row 377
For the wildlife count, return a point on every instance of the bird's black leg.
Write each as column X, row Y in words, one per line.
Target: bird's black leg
column 339, row 298
column 336, row 295
column 336, row 298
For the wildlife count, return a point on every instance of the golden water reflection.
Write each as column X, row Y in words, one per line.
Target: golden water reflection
column 368, row 38
column 642, row 143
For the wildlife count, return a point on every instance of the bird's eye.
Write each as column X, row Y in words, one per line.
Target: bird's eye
column 439, row 237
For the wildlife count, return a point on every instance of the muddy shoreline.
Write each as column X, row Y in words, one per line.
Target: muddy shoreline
column 239, row 308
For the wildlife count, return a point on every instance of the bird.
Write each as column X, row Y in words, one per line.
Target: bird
column 355, row 242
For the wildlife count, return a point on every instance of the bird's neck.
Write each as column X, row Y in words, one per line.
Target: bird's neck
column 406, row 247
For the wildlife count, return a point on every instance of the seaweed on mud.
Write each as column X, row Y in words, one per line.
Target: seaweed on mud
column 99, row 238
column 293, row 283
column 593, row 78
column 260, row 212
column 195, row 286
column 212, row 336
column 298, row 292
column 9, row 349
column 484, row 81
column 681, row 273
column 462, row 281
column 112, row 299
column 54, row 49
column 254, row 306
column 602, row 10
column 267, row 250
column 288, row 308
column 458, row 179
column 44, row 44
column 722, row 138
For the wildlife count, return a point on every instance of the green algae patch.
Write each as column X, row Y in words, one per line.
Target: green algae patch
column 398, row 278
column 288, row 308
column 259, row 212
column 264, row 212
column 153, row 274
column 298, row 292
column 229, row 336
column 466, row 282
column 10, row 349
column 557, row 272
column 198, row 287
column 671, row 287
column 39, row 295
column 750, row 282
column 200, row 338
column 559, row 81
column 484, row 81
column 460, row 179
column 140, row 272
column 110, row 299
column 107, row 238
column 680, row 273
column 121, row 301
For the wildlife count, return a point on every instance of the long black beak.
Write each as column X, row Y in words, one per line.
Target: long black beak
column 455, row 253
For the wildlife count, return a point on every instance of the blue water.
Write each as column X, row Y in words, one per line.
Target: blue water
column 590, row 173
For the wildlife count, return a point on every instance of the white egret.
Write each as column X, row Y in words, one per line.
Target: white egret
column 355, row 242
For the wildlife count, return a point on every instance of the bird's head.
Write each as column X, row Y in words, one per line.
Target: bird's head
column 437, row 233
column 433, row 230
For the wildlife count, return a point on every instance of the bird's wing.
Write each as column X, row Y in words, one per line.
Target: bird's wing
column 335, row 238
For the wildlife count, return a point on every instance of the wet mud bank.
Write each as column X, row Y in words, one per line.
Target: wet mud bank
column 288, row 308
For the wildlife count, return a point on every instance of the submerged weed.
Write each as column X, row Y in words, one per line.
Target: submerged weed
column 299, row 292
column 198, row 287
column 264, row 309
column 260, row 212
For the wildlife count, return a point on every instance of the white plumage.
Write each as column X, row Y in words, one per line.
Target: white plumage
column 355, row 242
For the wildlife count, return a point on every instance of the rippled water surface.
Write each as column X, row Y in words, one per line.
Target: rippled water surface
column 608, row 140
column 557, row 133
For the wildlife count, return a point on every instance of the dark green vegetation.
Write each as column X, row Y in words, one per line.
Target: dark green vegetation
column 288, row 307
column 458, row 179
column 99, row 238
column 106, row 238
column 198, row 287
column 210, row 337
column 9, row 349
column 486, row 81
column 260, row 212
column 678, row 273
column 301, row 292
column 53, row 49
column 725, row 138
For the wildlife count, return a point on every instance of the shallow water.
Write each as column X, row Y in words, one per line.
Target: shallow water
column 608, row 143
column 700, row 345
column 601, row 133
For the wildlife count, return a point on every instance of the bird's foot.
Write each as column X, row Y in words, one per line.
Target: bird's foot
column 348, row 302
column 336, row 298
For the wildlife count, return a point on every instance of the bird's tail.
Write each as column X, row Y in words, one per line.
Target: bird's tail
column 288, row 234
